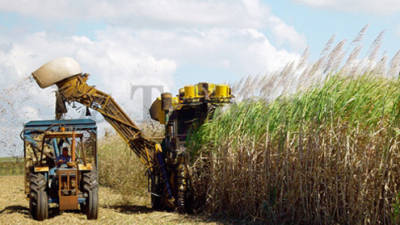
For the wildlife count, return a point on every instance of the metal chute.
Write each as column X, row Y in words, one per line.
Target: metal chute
column 56, row 70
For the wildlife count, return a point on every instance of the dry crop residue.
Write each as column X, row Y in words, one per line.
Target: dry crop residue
column 14, row 209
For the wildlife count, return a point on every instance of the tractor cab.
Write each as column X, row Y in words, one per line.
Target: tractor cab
column 60, row 166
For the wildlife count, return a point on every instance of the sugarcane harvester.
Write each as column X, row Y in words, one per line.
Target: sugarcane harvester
column 166, row 163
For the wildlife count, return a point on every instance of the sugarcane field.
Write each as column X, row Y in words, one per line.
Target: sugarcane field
column 200, row 112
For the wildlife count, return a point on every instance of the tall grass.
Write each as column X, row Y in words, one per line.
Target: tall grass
column 326, row 156
column 120, row 169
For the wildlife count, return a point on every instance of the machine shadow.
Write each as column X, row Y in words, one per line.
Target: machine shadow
column 131, row 209
column 15, row 209
column 53, row 212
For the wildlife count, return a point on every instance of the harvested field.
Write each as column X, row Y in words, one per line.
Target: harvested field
column 113, row 210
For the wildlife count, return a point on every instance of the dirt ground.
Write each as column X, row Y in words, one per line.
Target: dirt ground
column 14, row 209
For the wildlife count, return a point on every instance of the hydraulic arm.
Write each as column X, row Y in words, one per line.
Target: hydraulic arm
column 75, row 89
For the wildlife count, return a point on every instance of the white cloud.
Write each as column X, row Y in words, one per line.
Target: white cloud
column 247, row 50
column 162, row 15
column 285, row 33
column 368, row 6
column 191, row 12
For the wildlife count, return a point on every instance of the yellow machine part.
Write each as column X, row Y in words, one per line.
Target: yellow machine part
column 190, row 91
column 156, row 112
column 41, row 169
column 195, row 92
column 222, row 91
column 82, row 167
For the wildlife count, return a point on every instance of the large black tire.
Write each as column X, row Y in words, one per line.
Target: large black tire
column 38, row 201
column 156, row 192
column 90, row 187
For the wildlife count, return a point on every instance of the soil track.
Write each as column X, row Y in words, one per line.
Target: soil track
column 14, row 209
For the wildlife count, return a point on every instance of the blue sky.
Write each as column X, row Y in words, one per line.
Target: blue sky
column 318, row 24
column 170, row 43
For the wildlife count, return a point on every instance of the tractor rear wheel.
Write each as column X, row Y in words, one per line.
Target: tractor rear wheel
column 90, row 187
column 38, row 198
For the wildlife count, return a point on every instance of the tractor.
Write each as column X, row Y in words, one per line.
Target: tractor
column 67, row 179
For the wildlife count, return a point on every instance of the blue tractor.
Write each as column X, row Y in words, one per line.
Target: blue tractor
column 60, row 166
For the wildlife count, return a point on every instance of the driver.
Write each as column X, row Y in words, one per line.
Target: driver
column 64, row 157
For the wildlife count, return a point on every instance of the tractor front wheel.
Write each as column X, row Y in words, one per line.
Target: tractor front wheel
column 90, row 187
column 38, row 201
